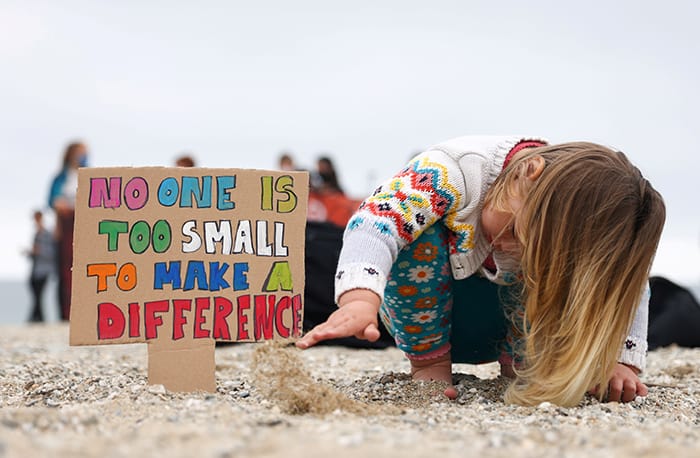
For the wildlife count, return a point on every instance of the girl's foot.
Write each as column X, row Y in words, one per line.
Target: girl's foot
column 437, row 369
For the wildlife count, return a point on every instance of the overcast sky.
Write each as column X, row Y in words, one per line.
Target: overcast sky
column 368, row 83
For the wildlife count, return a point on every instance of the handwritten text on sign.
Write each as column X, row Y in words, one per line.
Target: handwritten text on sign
column 172, row 253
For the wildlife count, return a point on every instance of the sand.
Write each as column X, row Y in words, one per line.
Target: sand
column 63, row 401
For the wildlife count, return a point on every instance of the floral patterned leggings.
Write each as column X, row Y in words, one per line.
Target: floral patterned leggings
column 429, row 313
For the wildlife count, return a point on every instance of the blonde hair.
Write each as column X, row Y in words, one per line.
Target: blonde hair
column 589, row 228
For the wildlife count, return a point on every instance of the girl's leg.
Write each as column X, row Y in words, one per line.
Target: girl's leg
column 418, row 304
column 418, row 311
column 37, row 286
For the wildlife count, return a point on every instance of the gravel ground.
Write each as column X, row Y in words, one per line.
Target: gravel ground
column 61, row 401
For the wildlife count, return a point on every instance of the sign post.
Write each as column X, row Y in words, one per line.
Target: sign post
column 182, row 257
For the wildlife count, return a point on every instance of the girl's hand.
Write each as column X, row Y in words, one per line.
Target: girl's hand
column 357, row 316
column 624, row 384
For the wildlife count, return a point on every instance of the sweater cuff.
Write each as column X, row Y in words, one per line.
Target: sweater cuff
column 634, row 353
column 359, row 276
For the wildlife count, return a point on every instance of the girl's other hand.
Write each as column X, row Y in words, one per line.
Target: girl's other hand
column 624, row 384
column 357, row 316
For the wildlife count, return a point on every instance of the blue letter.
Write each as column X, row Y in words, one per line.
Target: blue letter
column 223, row 195
column 216, row 276
column 195, row 271
column 166, row 274
column 240, row 278
column 190, row 187
column 168, row 192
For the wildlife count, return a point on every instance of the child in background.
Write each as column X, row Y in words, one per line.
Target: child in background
column 42, row 255
column 571, row 228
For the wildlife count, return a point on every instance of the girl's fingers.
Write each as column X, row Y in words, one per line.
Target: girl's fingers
column 615, row 390
column 331, row 329
column 370, row 333
column 629, row 391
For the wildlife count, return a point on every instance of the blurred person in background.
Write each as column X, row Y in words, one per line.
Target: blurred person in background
column 42, row 255
column 185, row 160
column 328, row 176
column 286, row 162
column 62, row 200
column 327, row 201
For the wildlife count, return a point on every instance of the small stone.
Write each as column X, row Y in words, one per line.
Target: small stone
column 157, row 389
column 271, row 422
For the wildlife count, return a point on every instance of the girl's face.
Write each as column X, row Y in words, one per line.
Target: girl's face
column 499, row 226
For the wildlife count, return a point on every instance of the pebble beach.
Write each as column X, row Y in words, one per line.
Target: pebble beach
column 277, row 401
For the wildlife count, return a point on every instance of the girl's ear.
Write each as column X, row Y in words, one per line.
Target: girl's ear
column 534, row 168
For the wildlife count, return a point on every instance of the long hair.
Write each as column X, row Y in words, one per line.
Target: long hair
column 328, row 175
column 69, row 152
column 589, row 228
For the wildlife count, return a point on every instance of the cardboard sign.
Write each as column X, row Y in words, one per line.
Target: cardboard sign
column 183, row 257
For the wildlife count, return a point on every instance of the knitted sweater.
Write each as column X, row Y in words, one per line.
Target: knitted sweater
column 446, row 183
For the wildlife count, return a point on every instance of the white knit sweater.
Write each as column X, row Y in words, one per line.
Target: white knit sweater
column 455, row 176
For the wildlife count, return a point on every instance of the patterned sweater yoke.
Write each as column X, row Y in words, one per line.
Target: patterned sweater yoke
column 446, row 183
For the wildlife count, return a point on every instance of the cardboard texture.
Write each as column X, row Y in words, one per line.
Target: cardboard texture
column 182, row 257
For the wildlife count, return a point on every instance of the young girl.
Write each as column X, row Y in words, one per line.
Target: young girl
column 571, row 229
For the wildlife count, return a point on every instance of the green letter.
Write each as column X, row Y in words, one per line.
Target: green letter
column 280, row 277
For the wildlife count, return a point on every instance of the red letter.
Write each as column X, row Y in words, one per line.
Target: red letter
column 297, row 309
column 110, row 321
column 151, row 320
column 282, row 305
column 222, row 309
column 134, row 319
column 200, row 304
column 264, row 316
column 243, row 304
column 179, row 320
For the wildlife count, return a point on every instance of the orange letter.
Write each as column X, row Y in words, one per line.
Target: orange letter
column 126, row 280
column 101, row 271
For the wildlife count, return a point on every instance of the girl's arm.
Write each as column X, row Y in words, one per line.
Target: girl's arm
column 624, row 384
column 430, row 187
column 398, row 212
column 634, row 349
